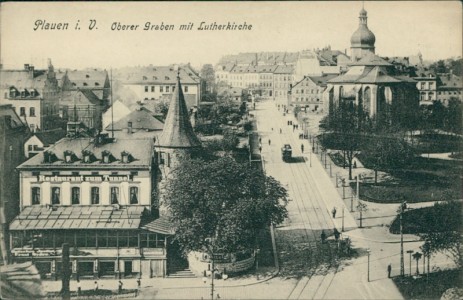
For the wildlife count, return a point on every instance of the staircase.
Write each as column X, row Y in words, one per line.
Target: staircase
column 178, row 272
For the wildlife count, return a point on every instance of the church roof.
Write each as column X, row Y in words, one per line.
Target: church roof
column 370, row 74
column 370, row 59
column 178, row 132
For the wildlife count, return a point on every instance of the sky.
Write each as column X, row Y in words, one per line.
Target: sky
column 401, row 28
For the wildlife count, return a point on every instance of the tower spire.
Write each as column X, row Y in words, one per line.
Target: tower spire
column 178, row 132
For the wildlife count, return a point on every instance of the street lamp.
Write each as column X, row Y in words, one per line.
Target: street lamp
column 368, row 265
column 410, row 253
column 209, row 242
column 417, row 257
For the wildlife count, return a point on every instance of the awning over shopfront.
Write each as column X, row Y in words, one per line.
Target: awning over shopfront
column 161, row 225
column 78, row 217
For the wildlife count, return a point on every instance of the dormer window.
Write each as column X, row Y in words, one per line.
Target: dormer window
column 87, row 76
column 87, row 156
column 85, row 84
column 106, row 157
column 97, row 84
column 145, row 78
column 166, row 78
column 126, row 157
column 69, row 156
column 49, row 157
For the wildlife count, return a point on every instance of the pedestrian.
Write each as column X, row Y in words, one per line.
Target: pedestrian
column 334, row 212
column 260, row 140
column 323, row 236
column 269, row 142
column 280, row 130
column 272, row 128
column 79, row 288
column 138, row 282
column 120, row 287
column 96, row 287
column 336, row 234
column 260, row 149
column 313, row 149
column 302, row 148
column 389, row 269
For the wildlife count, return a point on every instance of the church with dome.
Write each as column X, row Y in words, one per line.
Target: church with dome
column 371, row 82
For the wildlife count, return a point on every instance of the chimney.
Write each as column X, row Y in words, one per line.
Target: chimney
column 129, row 127
column 26, row 67
column 31, row 71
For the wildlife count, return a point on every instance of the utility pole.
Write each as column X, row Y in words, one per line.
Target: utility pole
column 65, row 274
column 342, row 228
column 402, row 268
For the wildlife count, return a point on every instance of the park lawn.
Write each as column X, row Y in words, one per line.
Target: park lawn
column 428, row 288
column 443, row 217
column 422, row 179
column 437, row 143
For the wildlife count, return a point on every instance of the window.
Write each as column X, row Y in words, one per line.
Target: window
column 29, row 147
column 167, row 89
column 146, row 88
column 55, row 195
column 22, row 111
column 35, row 195
column 152, row 88
column 95, row 195
column 186, row 89
column 75, row 195
column 161, row 89
column 133, row 195
column 32, row 111
column 114, row 195
column 32, row 127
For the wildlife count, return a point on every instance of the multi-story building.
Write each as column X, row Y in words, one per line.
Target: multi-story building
column 83, row 106
column 450, row 87
column 283, row 77
column 41, row 140
column 97, row 196
column 13, row 134
column 94, row 80
column 266, row 80
column 427, row 87
column 308, row 93
column 154, row 83
column 33, row 94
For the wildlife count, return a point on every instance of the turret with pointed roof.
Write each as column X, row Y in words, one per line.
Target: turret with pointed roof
column 178, row 132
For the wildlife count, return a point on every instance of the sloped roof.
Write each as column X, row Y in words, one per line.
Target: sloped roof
column 21, row 281
column 451, row 81
column 284, row 69
column 370, row 59
column 51, row 136
column 141, row 118
column 78, row 217
column 322, row 80
column 22, row 79
column 8, row 110
column 178, row 132
column 161, row 75
column 160, row 225
column 141, row 151
column 370, row 74
column 79, row 97
column 90, row 78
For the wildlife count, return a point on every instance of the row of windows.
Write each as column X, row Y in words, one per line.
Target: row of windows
column 316, row 91
column 307, row 99
column 162, row 88
column 22, row 111
column 55, row 196
column 87, row 238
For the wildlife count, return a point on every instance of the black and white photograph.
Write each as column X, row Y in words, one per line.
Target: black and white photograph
column 231, row 150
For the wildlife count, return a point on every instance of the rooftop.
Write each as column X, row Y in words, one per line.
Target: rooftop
column 51, row 136
column 141, row 118
column 78, row 217
column 140, row 155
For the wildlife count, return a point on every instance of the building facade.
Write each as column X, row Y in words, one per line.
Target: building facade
column 13, row 134
column 282, row 79
column 83, row 106
column 33, row 94
column 427, row 87
column 97, row 196
column 157, row 82
column 308, row 93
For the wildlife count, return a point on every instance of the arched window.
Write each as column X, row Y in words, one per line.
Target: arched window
column 367, row 100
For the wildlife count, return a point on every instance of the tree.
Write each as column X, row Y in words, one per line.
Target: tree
column 162, row 107
column 386, row 151
column 223, row 199
column 346, row 124
column 208, row 79
column 443, row 231
column 454, row 120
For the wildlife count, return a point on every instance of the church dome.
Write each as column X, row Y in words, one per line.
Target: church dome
column 363, row 37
